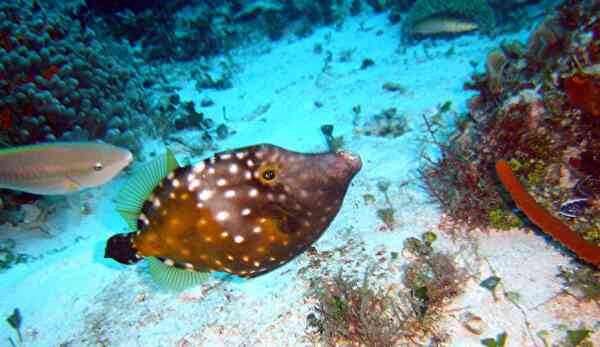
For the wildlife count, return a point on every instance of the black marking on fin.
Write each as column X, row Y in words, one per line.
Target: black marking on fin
column 120, row 248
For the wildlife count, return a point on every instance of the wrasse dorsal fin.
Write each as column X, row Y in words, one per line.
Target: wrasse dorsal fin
column 137, row 189
column 172, row 278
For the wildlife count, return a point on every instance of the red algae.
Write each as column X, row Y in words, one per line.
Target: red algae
column 583, row 91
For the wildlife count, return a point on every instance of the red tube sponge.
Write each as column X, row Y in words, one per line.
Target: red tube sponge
column 543, row 219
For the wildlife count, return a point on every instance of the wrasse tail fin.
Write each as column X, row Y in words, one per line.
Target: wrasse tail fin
column 137, row 189
column 120, row 248
column 173, row 278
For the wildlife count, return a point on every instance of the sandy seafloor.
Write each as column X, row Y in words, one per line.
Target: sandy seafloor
column 74, row 297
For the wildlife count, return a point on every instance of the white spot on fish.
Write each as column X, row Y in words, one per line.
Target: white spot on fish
column 230, row 194
column 246, row 258
column 200, row 205
column 193, row 185
column 230, row 257
column 226, row 156
column 211, row 170
column 248, row 175
column 245, row 212
column 156, row 202
column 233, row 168
column 221, row 182
column 224, row 234
column 253, row 192
column 222, row 215
column 257, row 229
column 171, row 175
column 169, row 262
column 240, row 155
column 250, row 163
column 175, row 183
column 256, row 264
column 205, row 195
column 282, row 197
column 199, row 167
column 144, row 219
column 238, row 239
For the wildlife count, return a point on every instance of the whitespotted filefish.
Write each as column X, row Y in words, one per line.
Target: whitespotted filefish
column 243, row 212
column 60, row 167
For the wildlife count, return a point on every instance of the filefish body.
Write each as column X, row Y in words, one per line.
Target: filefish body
column 60, row 167
column 244, row 212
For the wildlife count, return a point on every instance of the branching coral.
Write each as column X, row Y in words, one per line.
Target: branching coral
column 547, row 222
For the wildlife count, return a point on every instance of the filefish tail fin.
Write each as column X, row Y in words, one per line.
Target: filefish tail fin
column 172, row 278
column 120, row 248
column 137, row 189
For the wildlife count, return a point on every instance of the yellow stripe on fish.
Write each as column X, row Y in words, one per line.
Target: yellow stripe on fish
column 243, row 212
column 60, row 167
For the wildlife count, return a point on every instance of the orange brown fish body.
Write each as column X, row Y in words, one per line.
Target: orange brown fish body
column 244, row 212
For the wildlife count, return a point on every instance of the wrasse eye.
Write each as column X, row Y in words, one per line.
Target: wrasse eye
column 98, row 166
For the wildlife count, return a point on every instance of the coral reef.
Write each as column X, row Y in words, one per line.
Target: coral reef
column 59, row 82
column 535, row 109
column 427, row 17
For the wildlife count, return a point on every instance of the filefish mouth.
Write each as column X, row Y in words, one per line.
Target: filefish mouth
column 353, row 161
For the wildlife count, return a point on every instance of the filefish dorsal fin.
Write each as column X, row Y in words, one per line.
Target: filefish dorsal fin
column 131, row 198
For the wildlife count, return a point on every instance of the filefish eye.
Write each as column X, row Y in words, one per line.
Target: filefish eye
column 268, row 175
column 98, row 166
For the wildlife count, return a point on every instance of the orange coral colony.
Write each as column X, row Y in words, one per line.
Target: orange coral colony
column 543, row 219
column 583, row 90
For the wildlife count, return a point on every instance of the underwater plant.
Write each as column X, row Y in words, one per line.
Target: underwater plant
column 15, row 320
column 354, row 312
column 583, row 282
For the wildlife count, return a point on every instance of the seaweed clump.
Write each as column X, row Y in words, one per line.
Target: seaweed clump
column 354, row 312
